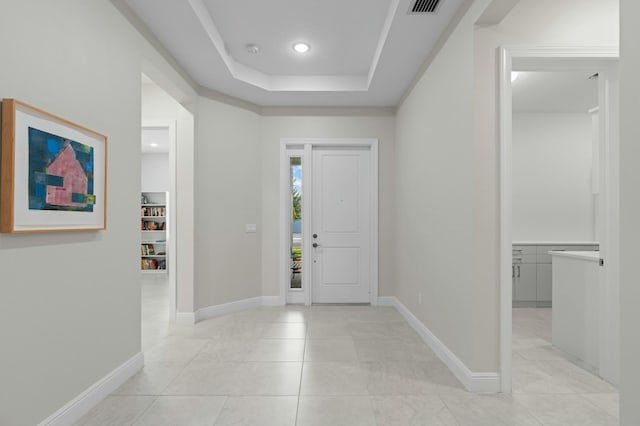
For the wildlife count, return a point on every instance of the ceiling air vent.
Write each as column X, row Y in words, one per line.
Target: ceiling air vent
column 423, row 7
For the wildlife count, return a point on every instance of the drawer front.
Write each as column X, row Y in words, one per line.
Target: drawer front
column 524, row 258
column 523, row 250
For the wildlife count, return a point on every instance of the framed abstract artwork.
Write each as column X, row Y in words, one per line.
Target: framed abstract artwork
column 53, row 173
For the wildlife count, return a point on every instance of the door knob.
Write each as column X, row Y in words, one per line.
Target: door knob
column 315, row 245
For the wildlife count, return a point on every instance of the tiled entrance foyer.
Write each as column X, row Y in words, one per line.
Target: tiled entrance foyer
column 342, row 365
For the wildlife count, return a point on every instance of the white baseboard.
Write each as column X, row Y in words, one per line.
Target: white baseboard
column 296, row 298
column 227, row 308
column 473, row 382
column 272, row 301
column 83, row 403
column 387, row 301
column 185, row 318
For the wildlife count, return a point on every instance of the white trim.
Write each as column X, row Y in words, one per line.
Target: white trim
column 328, row 111
column 525, row 58
column 307, row 206
column 297, row 297
column 487, row 382
column 185, row 318
column 373, row 296
column 228, row 308
column 190, row 318
column 284, row 221
column 589, row 53
column 287, row 83
column 171, row 235
column 308, row 143
column 83, row 403
column 387, row 301
column 505, row 238
column 609, row 122
column 272, row 301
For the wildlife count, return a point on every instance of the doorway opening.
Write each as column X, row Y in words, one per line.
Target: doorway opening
column 161, row 115
column 158, row 292
column 329, row 221
column 533, row 256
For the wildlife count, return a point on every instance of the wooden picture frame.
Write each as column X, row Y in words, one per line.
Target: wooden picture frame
column 53, row 173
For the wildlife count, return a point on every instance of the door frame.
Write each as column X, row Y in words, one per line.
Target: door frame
column 532, row 58
column 305, row 146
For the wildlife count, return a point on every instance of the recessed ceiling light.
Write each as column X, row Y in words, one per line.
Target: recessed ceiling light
column 252, row 48
column 301, row 47
column 153, row 145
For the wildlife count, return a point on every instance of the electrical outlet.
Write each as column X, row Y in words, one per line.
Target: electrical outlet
column 420, row 298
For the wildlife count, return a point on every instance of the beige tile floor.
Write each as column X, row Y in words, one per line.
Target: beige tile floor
column 331, row 365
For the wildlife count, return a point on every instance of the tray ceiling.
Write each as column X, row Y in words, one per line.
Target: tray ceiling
column 364, row 53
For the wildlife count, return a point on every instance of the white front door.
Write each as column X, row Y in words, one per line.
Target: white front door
column 341, row 225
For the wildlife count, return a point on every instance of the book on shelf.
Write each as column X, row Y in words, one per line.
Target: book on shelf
column 147, row 249
column 152, row 211
column 150, row 225
column 153, row 264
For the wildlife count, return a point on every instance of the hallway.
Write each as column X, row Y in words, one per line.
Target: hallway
column 339, row 365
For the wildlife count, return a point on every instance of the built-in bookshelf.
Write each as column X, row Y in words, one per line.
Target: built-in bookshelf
column 153, row 229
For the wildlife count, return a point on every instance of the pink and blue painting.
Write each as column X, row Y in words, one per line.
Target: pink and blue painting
column 60, row 173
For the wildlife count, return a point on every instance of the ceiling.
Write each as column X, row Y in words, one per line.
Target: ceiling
column 559, row 92
column 155, row 140
column 364, row 53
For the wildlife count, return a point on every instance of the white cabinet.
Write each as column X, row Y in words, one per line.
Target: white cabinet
column 523, row 273
column 577, row 307
column 543, row 284
column 153, row 229
column 525, row 282
column 532, row 273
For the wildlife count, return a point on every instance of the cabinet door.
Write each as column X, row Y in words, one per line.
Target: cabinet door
column 526, row 285
column 513, row 282
column 543, row 276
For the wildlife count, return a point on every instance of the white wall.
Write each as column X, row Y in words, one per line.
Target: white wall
column 275, row 128
column 237, row 183
column 530, row 23
column 447, row 170
column 158, row 107
column 228, row 169
column 552, row 162
column 434, row 196
column 630, row 211
column 155, row 172
column 70, row 305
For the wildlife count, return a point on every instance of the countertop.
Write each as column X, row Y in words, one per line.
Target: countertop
column 590, row 256
column 555, row 243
